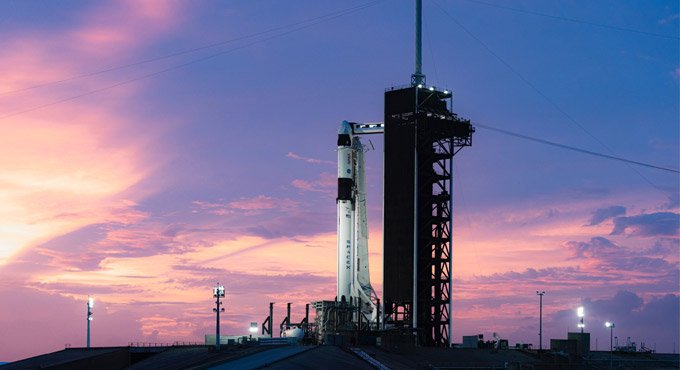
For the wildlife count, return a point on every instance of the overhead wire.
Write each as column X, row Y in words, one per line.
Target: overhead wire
column 306, row 24
column 575, row 149
column 431, row 49
column 574, row 20
column 318, row 20
column 193, row 50
column 543, row 95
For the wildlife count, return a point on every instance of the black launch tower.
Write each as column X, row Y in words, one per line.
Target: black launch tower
column 421, row 137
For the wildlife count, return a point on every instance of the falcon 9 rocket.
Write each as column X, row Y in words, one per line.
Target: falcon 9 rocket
column 354, row 284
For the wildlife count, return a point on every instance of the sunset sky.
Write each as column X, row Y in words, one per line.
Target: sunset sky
column 149, row 149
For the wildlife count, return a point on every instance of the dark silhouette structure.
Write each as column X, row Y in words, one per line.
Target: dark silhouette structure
column 421, row 137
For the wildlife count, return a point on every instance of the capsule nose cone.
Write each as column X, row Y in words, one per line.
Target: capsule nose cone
column 345, row 128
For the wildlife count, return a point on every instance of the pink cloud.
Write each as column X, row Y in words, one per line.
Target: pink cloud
column 71, row 164
column 173, row 283
column 111, row 28
column 323, row 184
column 261, row 202
column 249, row 206
column 308, row 159
column 148, row 265
column 502, row 256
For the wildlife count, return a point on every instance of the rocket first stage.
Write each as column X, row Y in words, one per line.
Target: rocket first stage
column 354, row 284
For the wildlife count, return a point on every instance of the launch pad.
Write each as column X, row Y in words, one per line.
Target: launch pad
column 342, row 318
column 421, row 137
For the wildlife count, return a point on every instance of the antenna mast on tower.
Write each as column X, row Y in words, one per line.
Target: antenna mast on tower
column 418, row 78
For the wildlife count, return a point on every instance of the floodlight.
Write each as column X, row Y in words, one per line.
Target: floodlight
column 540, row 319
column 446, row 91
column 431, row 88
column 218, row 291
column 580, row 312
column 420, row 85
column 90, row 306
column 611, row 326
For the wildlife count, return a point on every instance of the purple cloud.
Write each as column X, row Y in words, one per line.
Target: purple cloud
column 663, row 247
column 597, row 247
column 651, row 224
column 604, row 214
column 673, row 200
column 529, row 274
column 249, row 283
column 657, row 318
column 608, row 256
column 294, row 224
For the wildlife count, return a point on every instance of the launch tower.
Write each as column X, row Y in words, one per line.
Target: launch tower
column 422, row 135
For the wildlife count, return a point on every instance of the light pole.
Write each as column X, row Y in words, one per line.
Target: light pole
column 580, row 313
column 611, row 327
column 218, row 292
column 90, row 305
column 540, row 320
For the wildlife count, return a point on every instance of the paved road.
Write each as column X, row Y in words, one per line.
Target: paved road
column 261, row 359
column 323, row 357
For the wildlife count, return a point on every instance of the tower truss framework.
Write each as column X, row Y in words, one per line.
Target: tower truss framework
column 421, row 138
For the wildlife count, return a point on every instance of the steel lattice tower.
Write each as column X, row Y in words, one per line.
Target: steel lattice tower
column 421, row 137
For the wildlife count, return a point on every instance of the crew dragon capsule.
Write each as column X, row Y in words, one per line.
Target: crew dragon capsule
column 353, row 274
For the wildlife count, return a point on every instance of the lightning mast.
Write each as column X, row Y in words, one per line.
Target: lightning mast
column 422, row 135
column 418, row 78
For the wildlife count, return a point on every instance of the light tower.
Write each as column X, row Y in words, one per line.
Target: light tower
column 611, row 327
column 253, row 329
column 580, row 313
column 218, row 292
column 90, row 306
column 540, row 319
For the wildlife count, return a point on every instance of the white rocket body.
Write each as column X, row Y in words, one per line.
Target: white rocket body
column 345, row 213
column 353, row 273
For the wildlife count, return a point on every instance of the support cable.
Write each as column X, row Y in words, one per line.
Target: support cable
column 544, row 96
column 575, row 149
column 324, row 17
column 574, row 20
